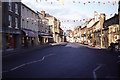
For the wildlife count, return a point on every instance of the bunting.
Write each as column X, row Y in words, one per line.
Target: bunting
column 39, row 20
column 99, row 2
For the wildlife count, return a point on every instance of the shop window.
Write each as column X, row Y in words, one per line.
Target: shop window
column 9, row 42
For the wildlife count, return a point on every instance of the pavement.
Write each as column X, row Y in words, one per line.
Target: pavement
column 29, row 49
column 70, row 60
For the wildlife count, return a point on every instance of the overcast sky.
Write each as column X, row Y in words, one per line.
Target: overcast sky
column 73, row 11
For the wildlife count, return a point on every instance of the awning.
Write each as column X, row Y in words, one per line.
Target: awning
column 47, row 36
column 30, row 33
column 44, row 34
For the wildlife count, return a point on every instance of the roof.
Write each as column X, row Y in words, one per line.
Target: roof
column 28, row 8
column 47, row 15
column 111, row 21
column 95, row 23
column 84, row 25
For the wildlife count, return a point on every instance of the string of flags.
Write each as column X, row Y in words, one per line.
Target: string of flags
column 35, row 20
column 62, row 21
column 81, row 2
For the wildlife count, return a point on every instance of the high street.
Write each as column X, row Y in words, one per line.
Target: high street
column 62, row 61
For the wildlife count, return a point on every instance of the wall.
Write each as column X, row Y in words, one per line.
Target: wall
column 27, row 24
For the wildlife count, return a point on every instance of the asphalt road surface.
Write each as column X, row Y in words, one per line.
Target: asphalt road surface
column 65, row 61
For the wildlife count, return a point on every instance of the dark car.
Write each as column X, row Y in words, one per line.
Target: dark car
column 114, row 47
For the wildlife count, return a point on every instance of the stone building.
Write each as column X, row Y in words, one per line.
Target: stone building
column 111, row 31
column 77, row 32
column 11, row 25
column 29, row 26
column 69, row 36
column 98, row 34
column 119, row 23
column 44, row 35
column 84, row 32
column 54, row 25
column 61, row 34
column 90, row 26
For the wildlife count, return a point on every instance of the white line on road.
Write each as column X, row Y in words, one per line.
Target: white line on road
column 28, row 63
column 94, row 74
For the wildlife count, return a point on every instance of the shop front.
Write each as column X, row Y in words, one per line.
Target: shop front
column 29, row 38
column 11, row 40
column 44, row 38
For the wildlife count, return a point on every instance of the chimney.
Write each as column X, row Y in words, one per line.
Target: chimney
column 43, row 13
column 96, row 16
column 102, row 17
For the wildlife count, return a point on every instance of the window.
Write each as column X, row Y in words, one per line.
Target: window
column 10, row 21
column 22, row 10
column 114, row 29
column 16, row 8
column 10, row 5
column 16, row 23
column 23, row 23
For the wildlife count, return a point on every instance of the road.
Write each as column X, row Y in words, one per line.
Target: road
column 65, row 61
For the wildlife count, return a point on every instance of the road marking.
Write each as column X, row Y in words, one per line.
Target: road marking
column 94, row 74
column 28, row 63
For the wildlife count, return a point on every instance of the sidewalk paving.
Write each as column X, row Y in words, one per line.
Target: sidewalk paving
column 96, row 47
column 29, row 49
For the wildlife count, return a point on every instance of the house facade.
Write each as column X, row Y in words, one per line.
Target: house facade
column 44, row 34
column 29, row 26
column 111, row 30
column 11, row 25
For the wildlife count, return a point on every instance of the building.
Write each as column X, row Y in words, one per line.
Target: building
column 29, row 26
column 90, row 32
column 84, row 32
column 119, row 24
column 111, row 31
column 54, row 23
column 57, row 32
column 97, row 29
column 0, row 27
column 77, row 33
column 44, row 34
column 61, row 35
column 69, row 36
column 11, row 25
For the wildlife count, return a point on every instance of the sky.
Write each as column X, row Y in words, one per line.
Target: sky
column 67, row 10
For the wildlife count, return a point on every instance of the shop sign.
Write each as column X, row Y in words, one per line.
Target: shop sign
column 116, row 37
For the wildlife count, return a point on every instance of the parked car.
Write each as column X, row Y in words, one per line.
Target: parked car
column 114, row 47
column 85, row 42
column 82, row 42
